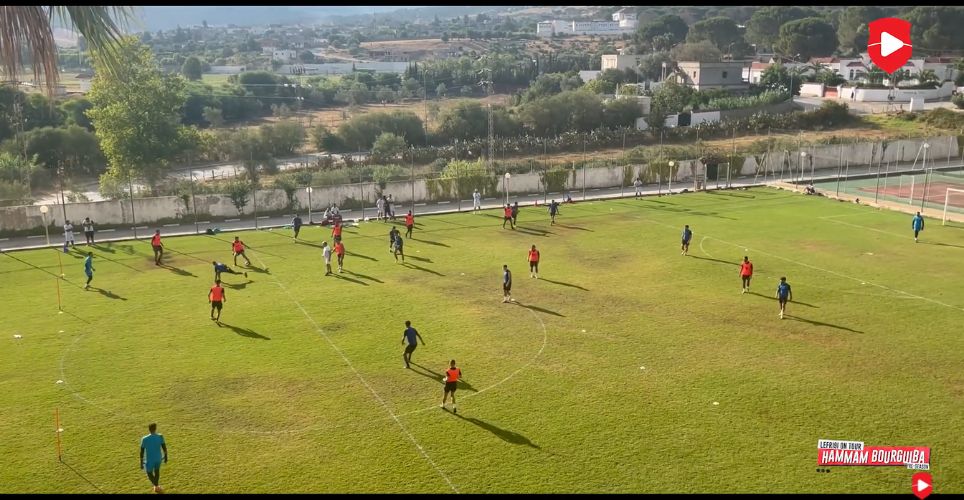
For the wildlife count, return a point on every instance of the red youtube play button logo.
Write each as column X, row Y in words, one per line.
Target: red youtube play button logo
column 922, row 485
column 889, row 44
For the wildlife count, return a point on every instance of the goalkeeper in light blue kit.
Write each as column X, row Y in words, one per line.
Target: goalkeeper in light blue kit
column 918, row 225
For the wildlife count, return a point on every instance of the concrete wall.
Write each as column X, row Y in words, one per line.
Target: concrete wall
column 902, row 95
column 149, row 210
column 811, row 90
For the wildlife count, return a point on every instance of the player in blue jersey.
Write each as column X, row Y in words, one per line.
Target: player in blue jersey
column 687, row 236
column 784, row 295
column 410, row 335
column 151, row 446
column 918, row 225
column 89, row 268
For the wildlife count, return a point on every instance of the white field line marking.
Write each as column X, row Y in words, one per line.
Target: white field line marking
column 370, row 389
column 365, row 383
column 845, row 215
column 817, row 268
column 865, row 227
column 862, row 281
column 889, row 296
column 106, row 230
column 545, row 339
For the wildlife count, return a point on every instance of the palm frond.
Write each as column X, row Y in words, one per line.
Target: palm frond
column 28, row 30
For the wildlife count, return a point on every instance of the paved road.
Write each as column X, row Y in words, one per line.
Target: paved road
column 261, row 222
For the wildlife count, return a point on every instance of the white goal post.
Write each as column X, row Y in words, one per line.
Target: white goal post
column 947, row 199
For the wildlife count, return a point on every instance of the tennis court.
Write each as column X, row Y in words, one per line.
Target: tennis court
column 927, row 189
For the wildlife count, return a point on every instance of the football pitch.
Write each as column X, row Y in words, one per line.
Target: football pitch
column 626, row 367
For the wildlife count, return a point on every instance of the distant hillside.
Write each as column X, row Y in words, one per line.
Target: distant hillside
column 153, row 18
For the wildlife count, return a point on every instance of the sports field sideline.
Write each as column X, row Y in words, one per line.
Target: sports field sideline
column 626, row 367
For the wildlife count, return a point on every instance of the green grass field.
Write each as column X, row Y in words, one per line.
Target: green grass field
column 603, row 378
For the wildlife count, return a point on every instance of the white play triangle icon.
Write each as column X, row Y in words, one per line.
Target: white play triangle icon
column 889, row 44
column 921, row 485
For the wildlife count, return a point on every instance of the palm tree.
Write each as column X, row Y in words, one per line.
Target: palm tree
column 927, row 76
column 27, row 30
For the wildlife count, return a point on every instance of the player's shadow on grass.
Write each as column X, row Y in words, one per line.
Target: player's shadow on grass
column 420, row 268
column 350, row 254
column 434, row 375
column 303, row 242
column 420, row 259
column 574, row 227
column 503, row 434
column 792, row 302
column 362, row 276
column 430, row 242
column 540, row 309
column 256, row 269
column 346, row 278
column 819, row 323
column 178, row 270
column 565, row 284
column 533, row 231
column 716, row 260
column 245, row 332
column 104, row 248
column 237, row 286
column 688, row 211
column 943, row 244
column 107, row 293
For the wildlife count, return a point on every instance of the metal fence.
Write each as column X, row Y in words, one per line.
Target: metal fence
column 891, row 173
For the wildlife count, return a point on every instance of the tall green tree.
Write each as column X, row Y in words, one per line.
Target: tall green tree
column 939, row 28
column 720, row 31
column 701, row 52
column 849, row 26
column 810, row 37
column 763, row 28
column 191, row 69
column 661, row 33
column 137, row 113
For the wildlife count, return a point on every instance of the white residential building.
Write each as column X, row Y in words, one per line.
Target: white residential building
column 620, row 62
column 625, row 18
column 598, row 28
column 284, row 55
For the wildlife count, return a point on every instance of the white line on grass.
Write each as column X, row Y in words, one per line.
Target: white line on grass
column 545, row 338
column 864, row 227
column 862, row 281
column 365, row 383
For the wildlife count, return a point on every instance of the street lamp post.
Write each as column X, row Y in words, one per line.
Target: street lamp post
column 43, row 213
column 197, row 230
column 671, row 165
column 926, row 177
column 308, row 190
column 506, row 186
column 803, row 155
